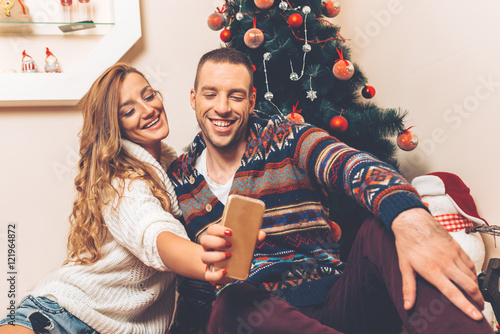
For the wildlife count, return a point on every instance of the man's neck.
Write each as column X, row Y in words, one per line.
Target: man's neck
column 222, row 164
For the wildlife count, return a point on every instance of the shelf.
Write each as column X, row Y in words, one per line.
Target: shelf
column 67, row 88
column 53, row 28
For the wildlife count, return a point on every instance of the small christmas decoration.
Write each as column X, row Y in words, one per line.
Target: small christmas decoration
column 226, row 35
column 7, row 6
column 331, row 8
column 295, row 115
column 283, row 5
column 264, row 4
column 450, row 202
column 254, row 38
column 66, row 2
column 338, row 123
column 295, row 20
column 368, row 92
column 311, row 94
column 51, row 63
column 216, row 21
column 407, row 140
column 343, row 68
column 28, row 64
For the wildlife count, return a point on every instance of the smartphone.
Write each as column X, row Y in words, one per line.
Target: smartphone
column 243, row 215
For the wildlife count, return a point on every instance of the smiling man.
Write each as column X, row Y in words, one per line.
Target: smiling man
column 403, row 265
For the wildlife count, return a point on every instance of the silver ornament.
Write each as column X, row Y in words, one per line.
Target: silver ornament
column 283, row 5
column 306, row 10
column 311, row 94
column 239, row 16
column 324, row 2
column 294, row 76
column 306, row 48
column 267, row 56
column 269, row 96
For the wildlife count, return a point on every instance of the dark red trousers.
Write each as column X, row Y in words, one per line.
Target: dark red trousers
column 366, row 299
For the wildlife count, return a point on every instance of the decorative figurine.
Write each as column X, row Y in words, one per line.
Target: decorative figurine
column 29, row 65
column 51, row 63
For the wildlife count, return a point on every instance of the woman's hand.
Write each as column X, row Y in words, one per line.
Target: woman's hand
column 215, row 244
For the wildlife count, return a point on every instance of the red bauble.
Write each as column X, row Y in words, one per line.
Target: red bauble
column 253, row 38
column 295, row 20
column 332, row 8
column 216, row 21
column 407, row 140
column 368, row 92
column 343, row 69
column 226, row 35
column 296, row 117
column 338, row 123
column 263, row 4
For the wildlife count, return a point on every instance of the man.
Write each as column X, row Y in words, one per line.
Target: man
column 398, row 267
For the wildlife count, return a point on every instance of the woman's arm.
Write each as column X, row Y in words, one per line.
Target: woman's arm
column 189, row 259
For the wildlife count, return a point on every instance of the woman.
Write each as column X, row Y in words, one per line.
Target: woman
column 125, row 243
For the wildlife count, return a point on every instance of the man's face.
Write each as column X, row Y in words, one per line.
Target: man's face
column 223, row 102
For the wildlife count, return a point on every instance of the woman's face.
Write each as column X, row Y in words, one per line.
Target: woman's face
column 141, row 114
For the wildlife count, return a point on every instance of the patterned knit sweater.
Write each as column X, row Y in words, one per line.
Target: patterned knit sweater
column 129, row 290
column 290, row 167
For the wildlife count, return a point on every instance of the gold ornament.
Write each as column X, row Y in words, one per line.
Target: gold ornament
column 7, row 5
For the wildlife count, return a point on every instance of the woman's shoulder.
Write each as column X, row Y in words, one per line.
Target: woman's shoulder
column 168, row 155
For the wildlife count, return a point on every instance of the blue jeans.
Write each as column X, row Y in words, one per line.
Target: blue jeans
column 45, row 316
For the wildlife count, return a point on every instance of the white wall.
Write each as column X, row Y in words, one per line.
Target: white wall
column 424, row 56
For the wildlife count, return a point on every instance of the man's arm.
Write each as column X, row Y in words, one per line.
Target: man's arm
column 425, row 248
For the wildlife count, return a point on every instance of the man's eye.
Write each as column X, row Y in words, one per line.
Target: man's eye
column 209, row 96
column 237, row 98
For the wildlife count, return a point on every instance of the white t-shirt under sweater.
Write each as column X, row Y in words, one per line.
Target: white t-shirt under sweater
column 129, row 290
column 219, row 190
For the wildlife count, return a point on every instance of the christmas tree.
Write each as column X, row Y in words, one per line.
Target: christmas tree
column 303, row 71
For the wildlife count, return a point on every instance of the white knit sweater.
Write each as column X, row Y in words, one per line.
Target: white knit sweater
column 129, row 290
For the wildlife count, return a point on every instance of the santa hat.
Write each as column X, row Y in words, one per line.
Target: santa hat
column 450, row 185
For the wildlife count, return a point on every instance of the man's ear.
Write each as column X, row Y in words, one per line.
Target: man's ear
column 253, row 97
column 192, row 98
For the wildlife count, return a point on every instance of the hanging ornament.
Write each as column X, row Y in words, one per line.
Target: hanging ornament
column 216, row 21
column 306, row 10
column 295, row 20
column 368, row 92
column 331, row 8
column 311, row 94
column 239, row 16
column 28, row 64
column 407, row 140
column 226, row 35
column 51, row 63
column 263, row 4
column 338, row 123
column 306, row 48
column 283, row 5
column 343, row 68
column 254, row 37
column 266, row 57
column 295, row 115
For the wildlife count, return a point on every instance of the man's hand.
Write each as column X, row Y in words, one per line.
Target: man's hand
column 424, row 247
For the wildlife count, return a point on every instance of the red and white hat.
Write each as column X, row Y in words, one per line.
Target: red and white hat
column 448, row 184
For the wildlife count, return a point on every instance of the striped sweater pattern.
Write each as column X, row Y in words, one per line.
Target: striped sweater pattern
column 291, row 167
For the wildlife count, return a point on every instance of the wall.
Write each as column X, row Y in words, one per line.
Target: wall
column 435, row 59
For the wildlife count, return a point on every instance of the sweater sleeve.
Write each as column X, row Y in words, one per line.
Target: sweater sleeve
column 374, row 184
column 136, row 220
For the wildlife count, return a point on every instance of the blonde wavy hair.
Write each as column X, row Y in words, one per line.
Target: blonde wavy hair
column 102, row 160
